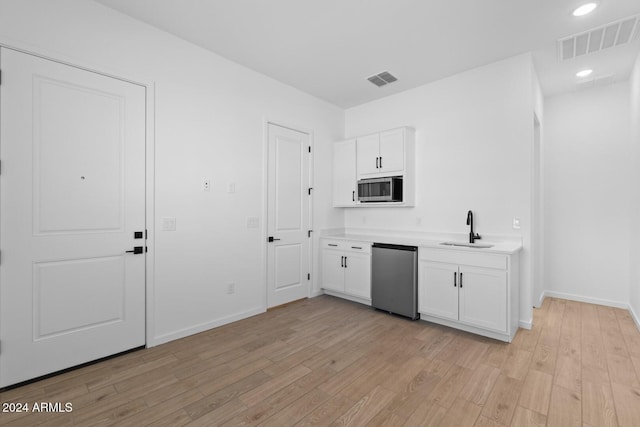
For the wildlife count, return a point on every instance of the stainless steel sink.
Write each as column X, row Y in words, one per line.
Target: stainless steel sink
column 468, row 245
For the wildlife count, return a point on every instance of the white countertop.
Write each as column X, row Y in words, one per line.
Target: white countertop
column 501, row 244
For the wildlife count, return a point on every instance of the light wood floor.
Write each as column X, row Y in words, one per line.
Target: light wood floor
column 328, row 361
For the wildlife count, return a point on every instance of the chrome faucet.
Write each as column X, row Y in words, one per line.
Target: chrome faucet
column 472, row 237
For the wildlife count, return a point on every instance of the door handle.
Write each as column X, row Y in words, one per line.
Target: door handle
column 353, row 196
column 342, row 261
column 380, row 162
column 377, row 163
column 136, row 250
column 460, row 280
column 271, row 239
column 455, row 275
column 345, row 262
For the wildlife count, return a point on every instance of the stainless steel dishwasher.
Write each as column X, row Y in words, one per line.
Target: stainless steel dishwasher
column 394, row 279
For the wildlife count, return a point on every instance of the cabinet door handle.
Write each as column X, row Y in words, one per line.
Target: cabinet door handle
column 455, row 276
column 460, row 280
column 377, row 162
column 380, row 162
column 342, row 261
column 353, row 196
column 345, row 262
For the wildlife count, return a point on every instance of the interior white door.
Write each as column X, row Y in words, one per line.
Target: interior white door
column 72, row 194
column 288, row 215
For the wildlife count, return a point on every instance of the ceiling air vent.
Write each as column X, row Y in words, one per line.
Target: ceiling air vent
column 614, row 34
column 382, row 78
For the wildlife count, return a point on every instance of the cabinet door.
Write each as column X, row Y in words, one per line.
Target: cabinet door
column 438, row 290
column 332, row 270
column 344, row 173
column 392, row 152
column 483, row 297
column 368, row 153
column 357, row 275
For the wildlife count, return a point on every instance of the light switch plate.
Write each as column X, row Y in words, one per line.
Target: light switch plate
column 206, row 184
column 516, row 223
column 168, row 224
column 253, row 222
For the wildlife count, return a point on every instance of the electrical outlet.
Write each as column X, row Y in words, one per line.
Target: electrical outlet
column 231, row 288
column 168, row 224
column 516, row 223
column 206, row 184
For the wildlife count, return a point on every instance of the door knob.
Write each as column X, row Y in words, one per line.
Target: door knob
column 271, row 239
column 136, row 250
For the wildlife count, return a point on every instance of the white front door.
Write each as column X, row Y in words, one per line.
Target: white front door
column 288, row 215
column 72, row 194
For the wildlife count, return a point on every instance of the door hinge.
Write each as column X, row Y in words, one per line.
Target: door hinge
column 310, row 188
column 309, row 233
column 308, row 276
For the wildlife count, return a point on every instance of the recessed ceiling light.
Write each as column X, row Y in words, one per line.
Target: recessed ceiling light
column 585, row 9
column 584, row 73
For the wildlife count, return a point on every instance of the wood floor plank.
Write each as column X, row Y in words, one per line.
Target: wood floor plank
column 366, row 408
column 597, row 405
column 503, row 400
column 527, row 418
column 536, row 392
column 627, row 403
column 565, row 409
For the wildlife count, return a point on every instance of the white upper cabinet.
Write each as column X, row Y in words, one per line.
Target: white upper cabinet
column 382, row 154
column 344, row 173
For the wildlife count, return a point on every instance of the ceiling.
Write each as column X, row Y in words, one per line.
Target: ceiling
column 328, row 48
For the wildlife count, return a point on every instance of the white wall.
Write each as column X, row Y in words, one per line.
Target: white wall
column 587, row 188
column 209, row 122
column 634, row 193
column 474, row 135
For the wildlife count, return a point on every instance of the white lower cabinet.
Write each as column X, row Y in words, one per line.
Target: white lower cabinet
column 346, row 269
column 476, row 292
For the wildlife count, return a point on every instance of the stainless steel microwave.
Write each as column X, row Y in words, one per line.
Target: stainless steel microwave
column 387, row 189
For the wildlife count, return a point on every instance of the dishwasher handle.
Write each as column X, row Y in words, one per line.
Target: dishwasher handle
column 395, row 247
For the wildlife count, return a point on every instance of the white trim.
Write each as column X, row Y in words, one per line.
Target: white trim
column 634, row 316
column 316, row 293
column 543, row 295
column 502, row 336
column 528, row 324
column 590, row 300
column 149, row 85
column 353, row 298
column 171, row 336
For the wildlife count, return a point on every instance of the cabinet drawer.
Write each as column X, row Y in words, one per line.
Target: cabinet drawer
column 332, row 244
column 346, row 245
column 463, row 257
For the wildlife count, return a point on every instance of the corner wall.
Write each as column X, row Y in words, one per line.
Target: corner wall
column 210, row 118
column 474, row 137
column 587, row 188
column 634, row 193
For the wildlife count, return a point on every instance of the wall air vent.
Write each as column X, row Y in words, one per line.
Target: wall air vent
column 382, row 78
column 614, row 34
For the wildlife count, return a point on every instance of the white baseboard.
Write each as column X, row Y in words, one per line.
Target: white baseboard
column 526, row 324
column 204, row 327
column 579, row 298
column 316, row 293
column 543, row 295
column 634, row 316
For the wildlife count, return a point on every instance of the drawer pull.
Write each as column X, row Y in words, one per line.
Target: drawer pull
column 356, row 247
column 332, row 244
